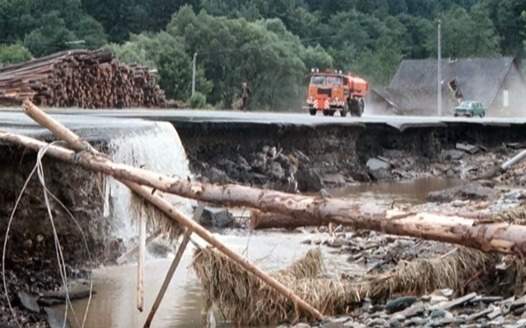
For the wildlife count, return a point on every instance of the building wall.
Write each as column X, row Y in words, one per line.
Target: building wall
column 515, row 88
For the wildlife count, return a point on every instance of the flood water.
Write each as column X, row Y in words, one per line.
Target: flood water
column 114, row 304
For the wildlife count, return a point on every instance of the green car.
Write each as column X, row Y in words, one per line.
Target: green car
column 470, row 109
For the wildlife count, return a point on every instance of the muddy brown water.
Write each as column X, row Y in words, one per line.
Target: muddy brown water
column 114, row 304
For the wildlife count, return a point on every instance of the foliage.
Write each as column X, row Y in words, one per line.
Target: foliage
column 271, row 44
column 198, row 100
column 263, row 53
column 12, row 54
column 165, row 53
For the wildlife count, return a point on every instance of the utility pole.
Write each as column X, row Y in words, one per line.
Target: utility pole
column 193, row 72
column 439, row 69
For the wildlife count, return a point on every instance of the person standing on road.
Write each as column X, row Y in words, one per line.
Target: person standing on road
column 245, row 96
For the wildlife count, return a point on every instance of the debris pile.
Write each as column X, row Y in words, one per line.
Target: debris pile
column 80, row 78
column 245, row 300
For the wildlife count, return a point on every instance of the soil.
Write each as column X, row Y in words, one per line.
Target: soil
column 294, row 159
column 304, row 159
column 31, row 264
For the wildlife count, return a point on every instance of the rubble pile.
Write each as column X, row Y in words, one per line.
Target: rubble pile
column 270, row 168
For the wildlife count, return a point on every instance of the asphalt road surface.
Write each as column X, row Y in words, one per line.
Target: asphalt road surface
column 185, row 116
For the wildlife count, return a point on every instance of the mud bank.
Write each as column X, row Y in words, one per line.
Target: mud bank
column 306, row 159
column 31, row 257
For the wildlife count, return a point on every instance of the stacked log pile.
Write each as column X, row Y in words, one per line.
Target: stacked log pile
column 80, row 78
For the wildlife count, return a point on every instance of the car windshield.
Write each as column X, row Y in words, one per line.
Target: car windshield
column 466, row 105
column 317, row 80
column 334, row 80
column 326, row 80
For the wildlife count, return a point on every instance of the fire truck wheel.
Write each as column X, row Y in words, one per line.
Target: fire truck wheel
column 312, row 111
column 328, row 112
column 362, row 106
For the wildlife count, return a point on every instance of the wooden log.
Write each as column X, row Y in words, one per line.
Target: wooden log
column 498, row 237
column 140, row 263
column 168, row 278
column 73, row 75
column 173, row 213
column 265, row 220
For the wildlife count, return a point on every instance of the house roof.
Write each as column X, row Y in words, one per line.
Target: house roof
column 415, row 83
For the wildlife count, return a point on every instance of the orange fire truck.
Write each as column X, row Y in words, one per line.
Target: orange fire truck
column 331, row 91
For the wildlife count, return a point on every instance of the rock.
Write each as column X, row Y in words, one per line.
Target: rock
column 452, row 154
column 277, row 171
column 55, row 318
column 339, row 319
column 375, row 164
column 468, row 148
column 309, row 180
column 353, row 324
column 447, row 292
column 158, row 249
column 520, row 302
column 283, row 160
column 29, row 301
column 40, row 238
column 479, row 314
column 416, row 322
column 216, row 217
column 243, row 163
column 497, row 311
column 472, row 191
column 439, row 314
column 334, row 180
column 335, row 243
column 378, row 169
column 412, row 311
column 335, row 322
column 394, row 323
column 301, row 325
column 455, row 302
column 399, row 304
column 217, row 176
column 377, row 322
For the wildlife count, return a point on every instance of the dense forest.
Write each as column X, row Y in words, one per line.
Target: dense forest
column 271, row 44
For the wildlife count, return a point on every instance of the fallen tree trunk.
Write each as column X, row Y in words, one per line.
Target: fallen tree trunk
column 265, row 220
column 171, row 212
column 498, row 237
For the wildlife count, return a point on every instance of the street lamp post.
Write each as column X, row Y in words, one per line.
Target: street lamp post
column 439, row 69
column 193, row 72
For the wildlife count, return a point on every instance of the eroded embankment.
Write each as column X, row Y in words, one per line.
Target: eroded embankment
column 300, row 158
column 31, row 257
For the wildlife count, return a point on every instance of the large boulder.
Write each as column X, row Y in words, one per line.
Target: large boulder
column 216, row 218
column 308, row 180
column 378, row 169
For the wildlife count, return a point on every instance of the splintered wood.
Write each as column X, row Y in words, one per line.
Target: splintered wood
column 80, row 78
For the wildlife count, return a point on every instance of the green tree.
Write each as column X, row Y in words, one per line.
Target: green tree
column 165, row 53
column 90, row 31
column 467, row 34
column 15, row 53
column 53, row 36
column 175, row 71
column 507, row 18
column 264, row 53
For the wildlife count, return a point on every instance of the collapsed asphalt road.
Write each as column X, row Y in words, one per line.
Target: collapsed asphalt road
column 180, row 117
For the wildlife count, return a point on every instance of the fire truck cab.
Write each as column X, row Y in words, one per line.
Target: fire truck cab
column 333, row 91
